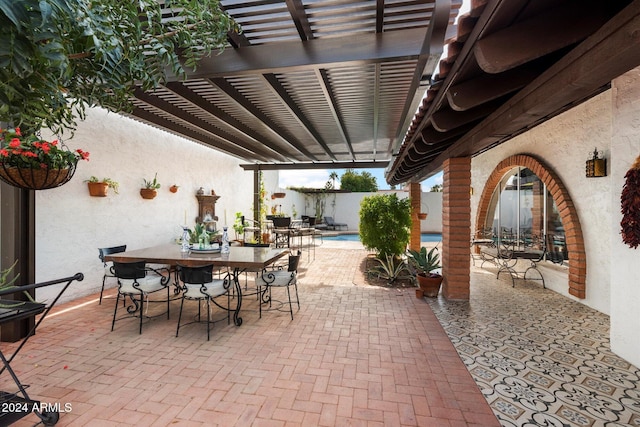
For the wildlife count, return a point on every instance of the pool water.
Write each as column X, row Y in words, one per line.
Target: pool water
column 424, row 237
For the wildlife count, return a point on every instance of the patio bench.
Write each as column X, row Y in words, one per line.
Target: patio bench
column 509, row 255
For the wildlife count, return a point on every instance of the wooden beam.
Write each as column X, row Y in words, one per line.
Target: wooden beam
column 610, row 52
column 332, row 103
column 267, row 148
column 269, row 124
column 446, row 119
column 185, row 132
column 288, row 102
column 545, row 33
column 487, row 87
column 191, row 121
column 430, row 136
column 371, row 48
column 316, row 165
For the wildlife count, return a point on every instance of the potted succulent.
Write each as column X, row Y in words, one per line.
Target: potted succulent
column 149, row 191
column 98, row 188
column 424, row 264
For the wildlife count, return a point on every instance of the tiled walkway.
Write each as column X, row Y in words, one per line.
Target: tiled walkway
column 353, row 355
column 539, row 358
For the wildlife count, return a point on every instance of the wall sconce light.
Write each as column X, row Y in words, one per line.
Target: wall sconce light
column 596, row 166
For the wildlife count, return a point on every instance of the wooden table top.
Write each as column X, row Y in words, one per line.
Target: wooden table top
column 238, row 257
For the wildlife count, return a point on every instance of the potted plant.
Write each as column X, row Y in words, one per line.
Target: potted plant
column 98, row 188
column 425, row 263
column 29, row 162
column 174, row 188
column 238, row 225
column 149, row 191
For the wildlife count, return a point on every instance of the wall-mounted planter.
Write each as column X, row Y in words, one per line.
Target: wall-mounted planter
column 422, row 216
column 148, row 193
column 98, row 189
column 173, row 188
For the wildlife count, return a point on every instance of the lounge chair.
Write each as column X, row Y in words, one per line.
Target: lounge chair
column 331, row 224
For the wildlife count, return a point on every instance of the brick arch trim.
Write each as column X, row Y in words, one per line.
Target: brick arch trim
column 566, row 208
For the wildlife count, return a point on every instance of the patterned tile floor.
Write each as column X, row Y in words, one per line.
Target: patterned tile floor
column 539, row 358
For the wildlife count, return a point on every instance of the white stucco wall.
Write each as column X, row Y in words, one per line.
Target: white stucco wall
column 625, row 285
column 345, row 207
column 71, row 225
column 564, row 143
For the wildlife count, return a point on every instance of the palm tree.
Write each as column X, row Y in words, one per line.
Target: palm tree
column 333, row 176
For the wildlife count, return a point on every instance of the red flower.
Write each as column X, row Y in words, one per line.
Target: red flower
column 84, row 155
column 15, row 142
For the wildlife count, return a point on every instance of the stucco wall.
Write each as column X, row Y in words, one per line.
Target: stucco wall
column 71, row 225
column 625, row 286
column 564, row 143
column 345, row 207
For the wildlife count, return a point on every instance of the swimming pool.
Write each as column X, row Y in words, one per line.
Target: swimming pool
column 424, row 237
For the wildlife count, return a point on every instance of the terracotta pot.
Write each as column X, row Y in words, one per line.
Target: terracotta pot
column 422, row 216
column 148, row 193
column 98, row 189
column 429, row 285
column 173, row 188
column 419, row 293
column 265, row 237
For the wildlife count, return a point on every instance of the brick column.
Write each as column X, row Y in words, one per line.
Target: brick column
column 456, row 228
column 415, row 193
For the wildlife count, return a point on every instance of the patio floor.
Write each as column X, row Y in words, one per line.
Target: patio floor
column 353, row 355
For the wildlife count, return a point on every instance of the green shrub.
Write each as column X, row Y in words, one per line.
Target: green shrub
column 385, row 223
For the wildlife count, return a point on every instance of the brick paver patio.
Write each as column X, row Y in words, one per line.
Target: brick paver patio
column 353, row 355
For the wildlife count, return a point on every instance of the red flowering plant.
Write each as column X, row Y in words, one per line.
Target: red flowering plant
column 31, row 152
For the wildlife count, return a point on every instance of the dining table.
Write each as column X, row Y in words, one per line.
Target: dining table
column 239, row 259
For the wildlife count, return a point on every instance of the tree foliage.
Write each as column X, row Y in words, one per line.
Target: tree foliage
column 59, row 56
column 385, row 223
column 358, row 182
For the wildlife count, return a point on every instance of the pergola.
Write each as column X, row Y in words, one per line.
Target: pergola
column 336, row 84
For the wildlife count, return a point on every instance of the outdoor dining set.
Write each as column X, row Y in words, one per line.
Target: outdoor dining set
column 208, row 277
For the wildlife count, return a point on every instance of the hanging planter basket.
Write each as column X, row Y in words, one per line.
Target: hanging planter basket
column 278, row 195
column 422, row 216
column 36, row 179
column 31, row 163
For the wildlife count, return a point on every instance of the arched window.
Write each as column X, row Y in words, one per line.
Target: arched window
column 522, row 208
column 560, row 218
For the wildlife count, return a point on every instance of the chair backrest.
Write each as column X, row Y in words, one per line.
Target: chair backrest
column 311, row 221
column 293, row 261
column 328, row 220
column 102, row 252
column 281, row 222
column 197, row 275
column 130, row 270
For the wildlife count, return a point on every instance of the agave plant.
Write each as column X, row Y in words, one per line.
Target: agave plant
column 390, row 268
column 424, row 262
